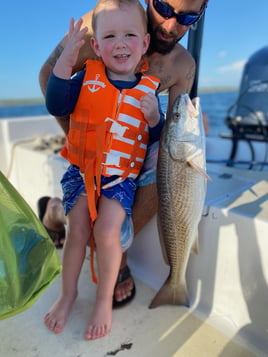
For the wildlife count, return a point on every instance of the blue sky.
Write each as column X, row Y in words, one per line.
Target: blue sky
column 234, row 29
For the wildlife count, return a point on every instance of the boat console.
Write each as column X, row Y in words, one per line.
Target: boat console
column 247, row 118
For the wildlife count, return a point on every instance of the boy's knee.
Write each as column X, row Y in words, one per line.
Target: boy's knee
column 79, row 235
column 104, row 234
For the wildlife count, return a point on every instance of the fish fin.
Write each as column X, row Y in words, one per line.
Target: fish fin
column 171, row 294
column 195, row 246
column 173, row 152
column 199, row 169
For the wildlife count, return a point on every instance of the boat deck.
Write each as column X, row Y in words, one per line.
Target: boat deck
column 227, row 280
column 137, row 331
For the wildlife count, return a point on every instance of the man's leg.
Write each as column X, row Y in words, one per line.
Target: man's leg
column 144, row 208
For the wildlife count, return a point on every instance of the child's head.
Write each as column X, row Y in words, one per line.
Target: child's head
column 120, row 35
column 127, row 4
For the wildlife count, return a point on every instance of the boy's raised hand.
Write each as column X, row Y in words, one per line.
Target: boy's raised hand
column 68, row 58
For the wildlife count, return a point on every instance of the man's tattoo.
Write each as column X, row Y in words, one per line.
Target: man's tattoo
column 165, row 80
column 190, row 78
column 55, row 55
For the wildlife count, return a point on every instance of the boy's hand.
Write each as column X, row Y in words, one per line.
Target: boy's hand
column 68, row 58
column 149, row 107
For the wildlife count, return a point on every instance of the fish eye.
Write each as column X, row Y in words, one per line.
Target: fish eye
column 177, row 116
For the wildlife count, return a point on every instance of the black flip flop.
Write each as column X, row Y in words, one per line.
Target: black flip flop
column 57, row 237
column 123, row 275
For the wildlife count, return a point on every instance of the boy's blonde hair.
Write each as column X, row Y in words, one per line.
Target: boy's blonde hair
column 103, row 4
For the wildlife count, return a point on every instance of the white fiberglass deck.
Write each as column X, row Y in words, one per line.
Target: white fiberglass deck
column 227, row 280
column 137, row 331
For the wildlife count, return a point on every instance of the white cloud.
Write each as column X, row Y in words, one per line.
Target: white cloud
column 222, row 53
column 233, row 67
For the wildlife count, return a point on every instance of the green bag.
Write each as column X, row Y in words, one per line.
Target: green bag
column 28, row 259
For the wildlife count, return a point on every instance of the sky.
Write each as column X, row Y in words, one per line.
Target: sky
column 30, row 30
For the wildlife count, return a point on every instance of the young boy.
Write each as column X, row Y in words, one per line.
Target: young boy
column 114, row 114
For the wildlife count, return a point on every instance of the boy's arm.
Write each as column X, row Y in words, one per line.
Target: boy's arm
column 155, row 131
column 85, row 53
column 62, row 94
column 151, row 108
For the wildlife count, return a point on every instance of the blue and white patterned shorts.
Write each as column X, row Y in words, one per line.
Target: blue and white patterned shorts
column 73, row 185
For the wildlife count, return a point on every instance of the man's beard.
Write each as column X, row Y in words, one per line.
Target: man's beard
column 158, row 45
column 161, row 46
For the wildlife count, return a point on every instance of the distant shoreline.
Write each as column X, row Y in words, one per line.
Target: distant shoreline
column 218, row 89
column 31, row 101
column 213, row 89
column 27, row 101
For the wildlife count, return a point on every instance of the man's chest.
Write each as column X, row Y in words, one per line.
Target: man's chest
column 162, row 69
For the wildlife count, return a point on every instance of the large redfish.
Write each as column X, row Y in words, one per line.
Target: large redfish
column 181, row 185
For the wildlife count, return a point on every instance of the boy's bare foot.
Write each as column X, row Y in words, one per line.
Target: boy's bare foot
column 100, row 321
column 56, row 317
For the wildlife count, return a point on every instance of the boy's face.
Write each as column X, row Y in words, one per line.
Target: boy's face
column 120, row 40
column 164, row 28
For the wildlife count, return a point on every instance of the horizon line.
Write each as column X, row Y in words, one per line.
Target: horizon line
column 40, row 100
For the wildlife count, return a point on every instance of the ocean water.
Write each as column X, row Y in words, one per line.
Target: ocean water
column 215, row 104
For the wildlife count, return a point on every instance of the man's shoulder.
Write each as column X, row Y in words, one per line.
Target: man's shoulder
column 178, row 56
column 182, row 54
column 174, row 69
column 87, row 17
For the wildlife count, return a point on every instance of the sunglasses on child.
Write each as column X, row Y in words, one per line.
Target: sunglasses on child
column 183, row 18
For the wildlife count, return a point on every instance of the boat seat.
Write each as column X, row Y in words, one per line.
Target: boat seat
column 248, row 129
column 247, row 118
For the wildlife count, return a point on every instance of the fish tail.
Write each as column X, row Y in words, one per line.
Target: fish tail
column 171, row 294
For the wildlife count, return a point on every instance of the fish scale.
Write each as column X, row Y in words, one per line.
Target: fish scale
column 181, row 193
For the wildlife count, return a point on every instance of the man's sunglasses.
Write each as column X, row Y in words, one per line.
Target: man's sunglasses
column 183, row 18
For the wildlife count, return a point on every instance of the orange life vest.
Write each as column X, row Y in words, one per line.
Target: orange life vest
column 108, row 133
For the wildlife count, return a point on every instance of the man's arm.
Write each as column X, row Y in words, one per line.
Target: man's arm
column 44, row 75
column 184, row 80
column 48, row 66
column 85, row 53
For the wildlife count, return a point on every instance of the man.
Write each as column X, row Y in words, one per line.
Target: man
column 173, row 65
